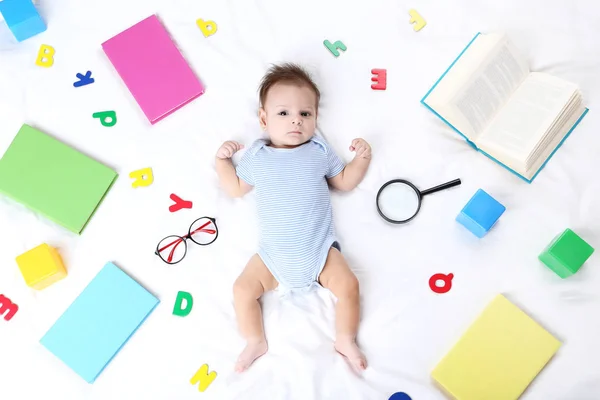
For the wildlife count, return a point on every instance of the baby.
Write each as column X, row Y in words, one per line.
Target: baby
column 290, row 173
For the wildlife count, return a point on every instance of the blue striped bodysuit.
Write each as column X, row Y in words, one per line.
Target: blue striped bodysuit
column 294, row 207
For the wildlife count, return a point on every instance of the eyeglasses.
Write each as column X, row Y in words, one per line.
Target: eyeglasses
column 203, row 231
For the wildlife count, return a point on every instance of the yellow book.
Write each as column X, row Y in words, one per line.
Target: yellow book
column 498, row 356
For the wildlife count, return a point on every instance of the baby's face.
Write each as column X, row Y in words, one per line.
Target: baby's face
column 289, row 114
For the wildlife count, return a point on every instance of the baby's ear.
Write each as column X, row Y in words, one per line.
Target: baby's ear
column 262, row 117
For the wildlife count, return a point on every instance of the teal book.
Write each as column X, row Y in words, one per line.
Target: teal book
column 516, row 117
column 99, row 322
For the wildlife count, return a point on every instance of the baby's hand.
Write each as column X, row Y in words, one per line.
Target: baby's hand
column 362, row 148
column 228, row 149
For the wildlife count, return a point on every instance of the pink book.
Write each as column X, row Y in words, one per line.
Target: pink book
column 153, row 69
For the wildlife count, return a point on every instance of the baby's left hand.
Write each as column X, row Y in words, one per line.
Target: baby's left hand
column 362, row 148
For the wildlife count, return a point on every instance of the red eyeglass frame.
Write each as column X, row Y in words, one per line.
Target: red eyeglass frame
column 183, row 239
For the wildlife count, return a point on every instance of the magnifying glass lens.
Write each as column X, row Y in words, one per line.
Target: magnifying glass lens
column 398, row 201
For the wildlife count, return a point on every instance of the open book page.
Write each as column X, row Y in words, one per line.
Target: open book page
column 473, row 92
column 526, row 118
column 492, row 85
column 568, row 120
column 457, row 76
column 575, row 105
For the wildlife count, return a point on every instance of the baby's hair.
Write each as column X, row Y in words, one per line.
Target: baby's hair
column 286, row 73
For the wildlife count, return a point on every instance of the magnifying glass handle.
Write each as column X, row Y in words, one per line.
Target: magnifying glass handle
column 443, row 186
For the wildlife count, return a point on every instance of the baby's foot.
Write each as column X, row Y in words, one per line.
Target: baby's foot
column 349, row 349
column 252, row 351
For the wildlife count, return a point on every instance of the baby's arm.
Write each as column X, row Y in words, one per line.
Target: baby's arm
column 230, row 182
column 355, row 171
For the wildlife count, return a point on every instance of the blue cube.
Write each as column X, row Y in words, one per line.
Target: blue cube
column 481, row 213
column 22, row 18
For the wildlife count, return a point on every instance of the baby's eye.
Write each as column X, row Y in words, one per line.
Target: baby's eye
column 305, row 114
column 282, row 112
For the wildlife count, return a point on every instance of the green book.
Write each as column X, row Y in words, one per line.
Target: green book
column 53, row 179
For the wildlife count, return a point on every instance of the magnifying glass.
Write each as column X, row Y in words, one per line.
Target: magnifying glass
column 399, row 201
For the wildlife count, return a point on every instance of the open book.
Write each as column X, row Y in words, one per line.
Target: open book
column 516, row 117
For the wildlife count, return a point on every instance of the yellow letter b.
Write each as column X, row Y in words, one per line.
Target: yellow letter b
column 45, row 56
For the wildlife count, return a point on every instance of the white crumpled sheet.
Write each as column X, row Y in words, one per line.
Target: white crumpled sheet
column 405, row 328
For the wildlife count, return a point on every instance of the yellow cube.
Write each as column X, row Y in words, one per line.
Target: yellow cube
column 41, row 266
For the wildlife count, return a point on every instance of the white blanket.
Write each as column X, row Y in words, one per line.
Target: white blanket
column 405, row 328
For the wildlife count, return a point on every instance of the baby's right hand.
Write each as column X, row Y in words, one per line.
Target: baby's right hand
column 228, row 149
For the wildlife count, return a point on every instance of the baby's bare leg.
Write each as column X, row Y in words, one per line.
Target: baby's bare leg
column 249, row 286
column 337, row 277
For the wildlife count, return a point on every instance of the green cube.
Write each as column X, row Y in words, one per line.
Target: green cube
column 566, row 254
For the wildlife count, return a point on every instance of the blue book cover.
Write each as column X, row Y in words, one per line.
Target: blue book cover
column 99, row 322
column 423, row 101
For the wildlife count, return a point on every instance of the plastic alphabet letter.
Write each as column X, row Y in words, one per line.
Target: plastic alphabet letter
column 443, row 277
column 45, row 56
column 8, row 307
column 189, row 303
column 333, row 48
column 400, row 396
column 208, row 28
column 107, row 118
column 179, row 203
column 417, row 20
column 380, row 79
column 84, row 79
column 143, row 177
column 203, row 377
